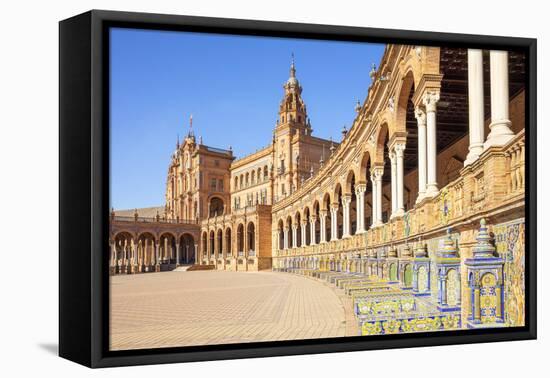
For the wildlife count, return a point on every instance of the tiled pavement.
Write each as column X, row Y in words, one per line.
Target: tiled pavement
column 207, row 307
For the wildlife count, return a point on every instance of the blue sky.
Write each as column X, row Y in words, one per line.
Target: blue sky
column 231, row 84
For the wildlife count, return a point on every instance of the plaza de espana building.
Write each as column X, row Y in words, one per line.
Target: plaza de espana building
column 424, row 195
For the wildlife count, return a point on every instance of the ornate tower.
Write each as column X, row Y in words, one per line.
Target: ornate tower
column 292, row 125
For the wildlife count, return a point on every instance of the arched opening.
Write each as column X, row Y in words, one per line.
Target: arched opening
column 350, row 191
column 124, row 252
column 308, row 226
column 146, row 251
column 228, row 246
column 251, row 238
column 281, row 230
column 339, row 212
column 385, row 164
column 212, row 243
column 290, row 236
column 240, row 239
column 298, row 225
column 204, row 243
column 317, row 218
column 219, row 240
column 216, row 206
column 328, row 218
column 187, row 249
column 167, row 248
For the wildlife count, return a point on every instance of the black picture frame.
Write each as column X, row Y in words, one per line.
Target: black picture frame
column 84, row 188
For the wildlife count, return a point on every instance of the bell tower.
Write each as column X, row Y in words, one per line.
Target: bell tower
column 292, row 124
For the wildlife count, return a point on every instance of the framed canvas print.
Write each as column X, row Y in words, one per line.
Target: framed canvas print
column 234, row 188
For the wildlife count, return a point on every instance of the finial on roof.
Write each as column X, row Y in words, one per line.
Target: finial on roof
column 358, row 107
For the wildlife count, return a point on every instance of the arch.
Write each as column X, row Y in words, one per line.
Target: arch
column 393, row 271
column 228, row 246
column 187, row 248
column 381, row 143
column 251, row 237
column 211, row 243
column 240, row 238
column 407, row 86
column 216, row 206
column 298, row 224
column 219, row 242
column 281, row 230
column 204, row 242
column 146, row 249
column 289, row 228
column 307, row 218
column 350, row 178
column 167, row 247
column 337, row 193
column 253, row 178
column 124, row 247
column 364, row 167
column 407, row 275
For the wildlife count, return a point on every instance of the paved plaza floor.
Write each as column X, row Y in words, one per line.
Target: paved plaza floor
column 217, row 307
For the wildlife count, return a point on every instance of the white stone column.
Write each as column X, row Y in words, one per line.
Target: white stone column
column 304, row 233
column 177, row 254
column 312, row 221
column 400, row 185
column 430, row 101
column 422, row 168
column 157, row 254
column 346, row 228
column 374, row 200
column 113, row 253
column 476, row 114
column 294, row 235
column 334, row 221
column 360, row 196
column 323, row 226
column 285, row 238
column 378, row 173
column 393, row 164
column 500, row 132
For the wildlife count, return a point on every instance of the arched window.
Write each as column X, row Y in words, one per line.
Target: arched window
column 251, row 237
column 216, row 206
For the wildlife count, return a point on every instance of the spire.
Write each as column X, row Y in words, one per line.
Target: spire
column 292, row 67
column 190, row 134
column 292, row 81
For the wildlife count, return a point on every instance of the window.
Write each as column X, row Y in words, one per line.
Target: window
column 220, row 185
column 216, row 163
column 213, row 184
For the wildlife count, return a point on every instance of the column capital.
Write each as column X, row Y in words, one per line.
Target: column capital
column 430, row 100
column 303, row 223
column 360, row 189
column 399, row 149
column 346, row 199
column 323, row 213
column 420, row 116
column 377, row 173
column 312, row 219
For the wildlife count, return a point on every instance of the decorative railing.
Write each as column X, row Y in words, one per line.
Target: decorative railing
column 138, row 219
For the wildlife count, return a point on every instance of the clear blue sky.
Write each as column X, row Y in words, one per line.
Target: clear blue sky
column 231, row 84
